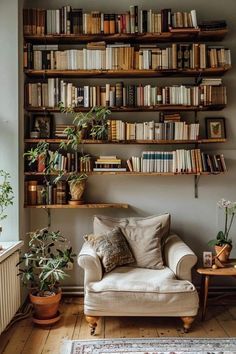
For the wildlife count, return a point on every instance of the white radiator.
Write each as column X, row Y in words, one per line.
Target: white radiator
column 10, row 299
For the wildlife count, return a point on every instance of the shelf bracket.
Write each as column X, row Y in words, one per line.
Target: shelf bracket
column 49, row 217
column 196, row 182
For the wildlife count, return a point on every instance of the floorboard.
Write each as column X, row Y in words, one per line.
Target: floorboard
column 26, row 338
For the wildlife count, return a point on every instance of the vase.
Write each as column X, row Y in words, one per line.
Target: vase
column 224, row 256
column 77, row 189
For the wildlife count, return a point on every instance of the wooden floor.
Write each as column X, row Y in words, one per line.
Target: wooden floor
column 26, row 338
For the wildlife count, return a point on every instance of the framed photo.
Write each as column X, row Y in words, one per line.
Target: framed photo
column 43, row 125
column 207, row 259
column 215, row 128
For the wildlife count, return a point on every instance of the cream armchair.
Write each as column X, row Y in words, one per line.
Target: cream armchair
column 132, row 291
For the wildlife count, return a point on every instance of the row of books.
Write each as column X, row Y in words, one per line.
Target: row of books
column 99, row 56
column 179, row 161
column 67, row 20
column 169, row 130
column 37, row 193
column 69, row 162
column 50, row 93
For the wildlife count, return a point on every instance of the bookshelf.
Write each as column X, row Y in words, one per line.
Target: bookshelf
column 183, row 35
column 173, row 35
column 127, row 73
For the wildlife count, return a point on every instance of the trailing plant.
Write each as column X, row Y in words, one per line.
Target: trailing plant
column 95, row 121
column 44, row 264
column 6, row 193
column 42, row 150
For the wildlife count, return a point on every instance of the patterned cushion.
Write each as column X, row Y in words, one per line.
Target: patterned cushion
column 112, row 248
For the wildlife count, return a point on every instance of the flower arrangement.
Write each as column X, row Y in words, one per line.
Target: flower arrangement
column 222, row 237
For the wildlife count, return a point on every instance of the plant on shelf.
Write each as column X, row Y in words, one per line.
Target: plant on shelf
column 77, row 184
column 222, row 239
column 93, row 123
column 42, row 268
column 6, row 195
column 46, row 160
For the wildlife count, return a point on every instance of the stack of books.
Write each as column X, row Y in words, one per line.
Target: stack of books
column 60, row 130
column 212, row 25
column 108, row 163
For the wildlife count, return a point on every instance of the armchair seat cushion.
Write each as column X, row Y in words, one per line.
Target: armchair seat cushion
column 130, row 291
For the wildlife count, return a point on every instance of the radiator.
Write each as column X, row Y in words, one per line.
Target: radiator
column 10, row 299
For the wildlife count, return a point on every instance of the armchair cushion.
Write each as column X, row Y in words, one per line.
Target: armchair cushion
column 131, row 291
column 145, row 243
column 106, row 223
column 112, row 248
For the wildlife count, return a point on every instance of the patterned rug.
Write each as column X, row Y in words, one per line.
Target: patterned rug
column 151, row 346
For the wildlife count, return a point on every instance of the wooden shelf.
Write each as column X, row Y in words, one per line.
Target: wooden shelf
column 82, row 206
column 130, row 142
column 157, row 108
column 127, row 173
column 186, row 35
column 128, row 73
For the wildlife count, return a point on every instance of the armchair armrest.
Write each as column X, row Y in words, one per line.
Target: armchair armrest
column 179, row 257
column 90, row 262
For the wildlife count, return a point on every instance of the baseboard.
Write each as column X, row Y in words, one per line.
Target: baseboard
column 73, row 290
column 213, row 290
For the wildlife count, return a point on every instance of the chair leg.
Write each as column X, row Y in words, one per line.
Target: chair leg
column 187, row 321
column 92, row 321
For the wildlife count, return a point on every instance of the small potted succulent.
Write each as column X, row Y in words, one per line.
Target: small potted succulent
column 6, row 195
column 42, row 268
column 223, row 239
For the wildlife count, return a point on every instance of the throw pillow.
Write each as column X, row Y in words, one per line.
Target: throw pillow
column 112, row 248
column 145, row 244
column 106, row 223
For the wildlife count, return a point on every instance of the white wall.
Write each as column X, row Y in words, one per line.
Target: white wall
column 9, row 109
column 195, row 220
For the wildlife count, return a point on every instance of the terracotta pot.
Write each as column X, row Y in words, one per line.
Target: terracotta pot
column 77, row 189
column 45, row 307
column 224, row 256
column 41, row 163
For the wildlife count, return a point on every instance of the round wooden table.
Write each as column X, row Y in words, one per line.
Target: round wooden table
column 206, row 273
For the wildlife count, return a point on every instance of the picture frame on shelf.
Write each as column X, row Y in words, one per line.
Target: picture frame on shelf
column 207, row 259
column 43, row 125
column 215, row 128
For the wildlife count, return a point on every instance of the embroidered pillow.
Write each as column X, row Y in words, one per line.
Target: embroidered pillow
column 111, row 247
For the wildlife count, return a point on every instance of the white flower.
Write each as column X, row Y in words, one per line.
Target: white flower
column 225, row 203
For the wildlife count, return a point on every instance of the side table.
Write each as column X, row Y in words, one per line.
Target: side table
column 206, row 273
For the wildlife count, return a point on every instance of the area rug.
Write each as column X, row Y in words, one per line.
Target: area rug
column 151, row 346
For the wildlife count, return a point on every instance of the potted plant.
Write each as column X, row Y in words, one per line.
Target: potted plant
column 43, row 266
column 6, row 195
column 222, row 239
column 93, row 123
column 46, row 160
column 77, row 184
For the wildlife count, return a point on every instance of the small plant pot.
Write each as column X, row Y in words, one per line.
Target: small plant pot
column 224, row 256
column 77, row 189
column 41, row 163
column 45, row 307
